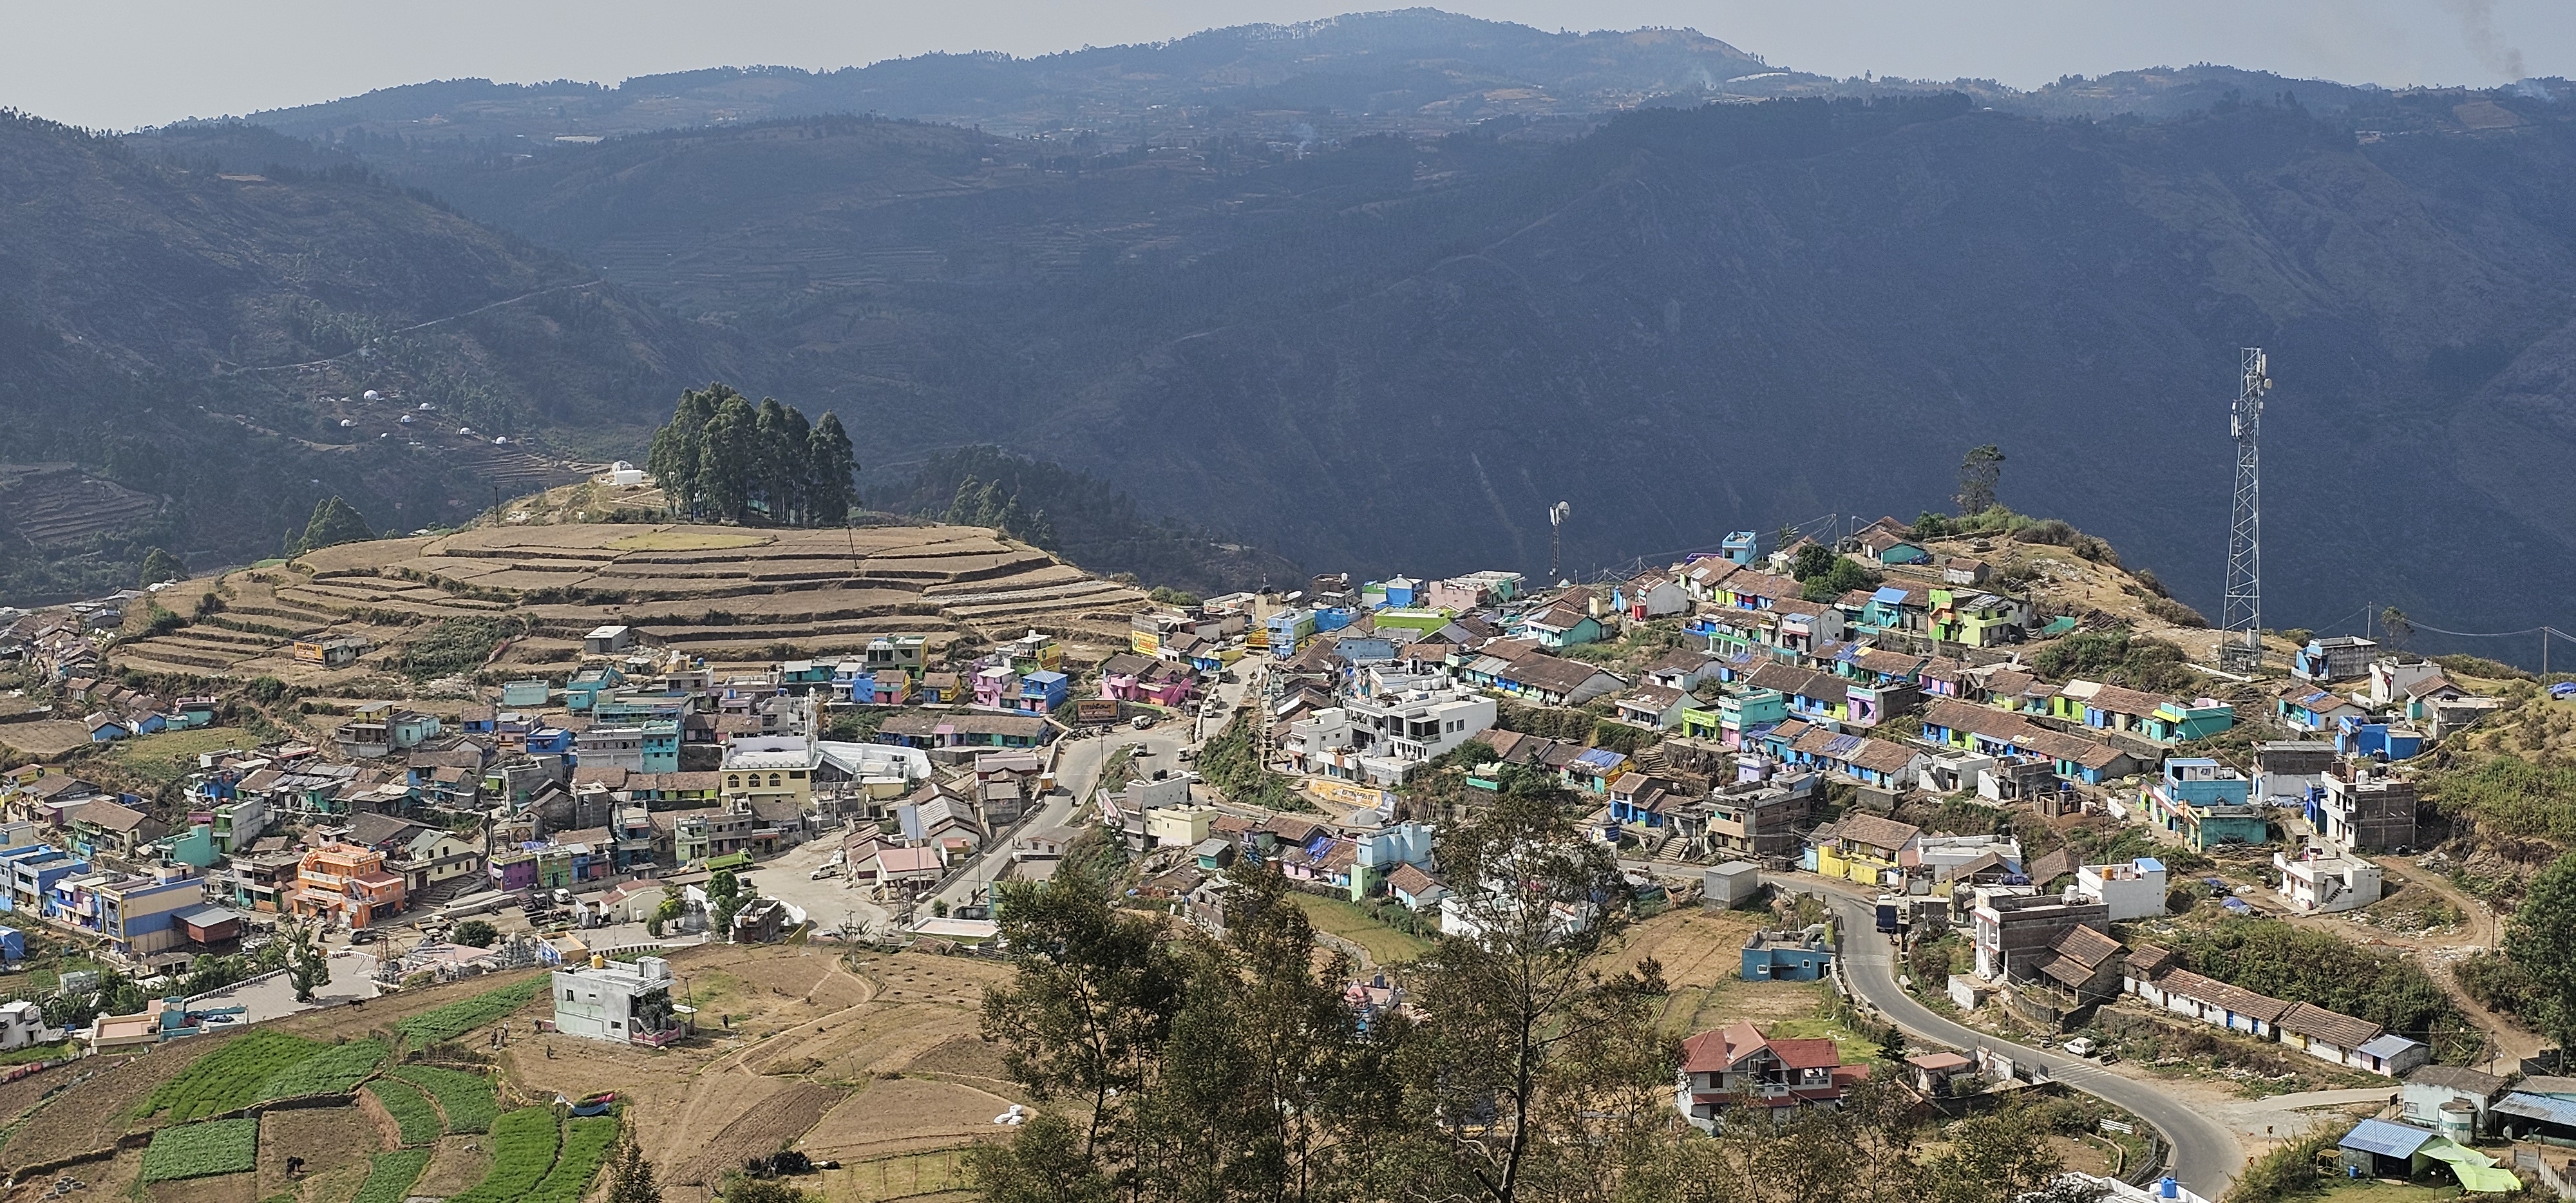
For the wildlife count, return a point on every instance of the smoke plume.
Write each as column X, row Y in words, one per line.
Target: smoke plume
column 2477, row 30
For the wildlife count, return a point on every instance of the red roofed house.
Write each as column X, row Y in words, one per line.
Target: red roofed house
column 1737, row 1066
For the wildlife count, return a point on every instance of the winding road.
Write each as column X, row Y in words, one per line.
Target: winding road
column 2205, row 1155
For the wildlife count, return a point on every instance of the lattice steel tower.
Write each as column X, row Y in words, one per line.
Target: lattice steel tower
column 2242, row 615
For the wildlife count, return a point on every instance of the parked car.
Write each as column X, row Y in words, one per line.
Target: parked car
column 1143, row 721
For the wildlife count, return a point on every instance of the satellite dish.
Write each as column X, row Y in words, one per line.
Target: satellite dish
column 1556, row 514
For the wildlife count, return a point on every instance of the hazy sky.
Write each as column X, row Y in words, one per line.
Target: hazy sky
column 124, row 63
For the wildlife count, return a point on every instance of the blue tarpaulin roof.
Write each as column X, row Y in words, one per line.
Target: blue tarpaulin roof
column 1599, row 758
column 2384, row 1138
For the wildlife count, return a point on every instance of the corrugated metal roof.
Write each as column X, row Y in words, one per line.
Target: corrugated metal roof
column 2538, row 1106
column 2385, row 1138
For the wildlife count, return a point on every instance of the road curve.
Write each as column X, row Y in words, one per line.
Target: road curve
column 2205, row 1156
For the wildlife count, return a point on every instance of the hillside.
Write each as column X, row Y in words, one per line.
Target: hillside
column 1380, row 357
column 186, row 351
column 511, row 601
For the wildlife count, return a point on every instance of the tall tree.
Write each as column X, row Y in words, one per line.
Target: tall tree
column 1980, row 472
column 1532, row 1069
column 830, row 463
column 2542, row 942
column 159, row 565
column 725, row 452
column 334, row 522
column 1092, row 1000
column 633, row 1179
column 2397, row 626
column 673, row 458
column 307, row 968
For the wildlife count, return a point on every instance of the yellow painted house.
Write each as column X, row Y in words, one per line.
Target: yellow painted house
column 1863, row 848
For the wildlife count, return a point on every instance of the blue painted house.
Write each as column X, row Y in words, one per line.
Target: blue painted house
column 1042, row 692
column 1785, row 956
column 1739, row 546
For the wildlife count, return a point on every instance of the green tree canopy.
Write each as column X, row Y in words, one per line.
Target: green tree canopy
column 2542, row 941
column 722, row 457
column 158, row 566
column 334, row 522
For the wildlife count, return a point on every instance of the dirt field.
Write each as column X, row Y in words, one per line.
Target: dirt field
column 792, row 1050
column 456, row 1163
column 334, row 1142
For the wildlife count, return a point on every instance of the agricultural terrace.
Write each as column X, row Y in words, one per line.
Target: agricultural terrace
column 205, row 1103
column 516, row 600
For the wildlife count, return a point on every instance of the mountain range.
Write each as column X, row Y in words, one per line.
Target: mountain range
column 1371, row 293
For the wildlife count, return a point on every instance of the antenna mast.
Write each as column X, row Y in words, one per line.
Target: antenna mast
column 1555, row 523
column 2241, row 647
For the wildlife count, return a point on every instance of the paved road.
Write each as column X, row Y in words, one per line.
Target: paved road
column 1077, row 771
column 2286, row 1115
column 2205, row 1155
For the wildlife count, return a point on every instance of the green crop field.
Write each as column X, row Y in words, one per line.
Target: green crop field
column 329, row 1071
column 466, row 1098
column 389, row 1179
column 583, row 1149
column 457, row 1018
column 523, row 1151
column 228, row 1078
column 410, row 1109
column 224, row 1146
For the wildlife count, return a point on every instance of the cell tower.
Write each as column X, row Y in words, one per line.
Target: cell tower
column 1555, row 525
column 2242, row 615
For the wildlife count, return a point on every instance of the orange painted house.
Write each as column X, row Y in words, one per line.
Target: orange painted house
column 345, row 884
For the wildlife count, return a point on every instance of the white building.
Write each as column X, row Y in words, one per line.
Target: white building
column 23, row 1023
column 2320, row 881
column 2135, row 890
column 609, row 1001
column 1376, row 738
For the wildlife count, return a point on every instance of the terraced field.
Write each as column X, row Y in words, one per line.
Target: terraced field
column 731, row 595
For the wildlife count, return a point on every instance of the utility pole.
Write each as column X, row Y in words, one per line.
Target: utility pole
column 2242, row 616
column 1555, row 526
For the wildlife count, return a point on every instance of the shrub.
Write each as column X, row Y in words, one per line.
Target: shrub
column 2285, row 1172
column 2497, row 983
column 389, row 1179
column 465, row 1098
column 476, row 933
column 334, row 1069
column 523, row 1150
column 410, row 1109
column 224, row 1146
column 2174, row 612
column 228, row 1078
column 464, row 1015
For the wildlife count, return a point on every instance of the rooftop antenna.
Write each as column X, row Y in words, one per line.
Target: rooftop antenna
column 1555, row 524
column 2241, row 618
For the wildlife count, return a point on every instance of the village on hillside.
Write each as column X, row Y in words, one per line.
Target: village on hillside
column 447, row 826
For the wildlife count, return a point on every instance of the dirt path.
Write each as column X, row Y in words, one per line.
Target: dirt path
column 2509, row 1042
column 719, row 1075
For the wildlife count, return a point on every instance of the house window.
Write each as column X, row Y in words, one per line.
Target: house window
column 773, row 780
column 733, row 782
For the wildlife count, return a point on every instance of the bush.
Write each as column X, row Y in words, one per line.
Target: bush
column 465, row 1098
column 2285, row 1172
column 412, row 1113
column 452, row 646
column 224, row 1146
column 389, row 1179
column 329, row 1071
column 2174, row 612
column 2497, row 983
column 457, row 1018
column 523, row 1150
column 2510, row 796
column 2310, row 965
column 475, row 933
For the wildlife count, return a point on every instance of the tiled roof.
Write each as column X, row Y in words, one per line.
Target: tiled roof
column 2085, row 946
column 2333, row 1027
column 1874, row 831
column 2234, row 999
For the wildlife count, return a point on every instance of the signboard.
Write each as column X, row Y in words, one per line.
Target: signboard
column 1351, row 794
column 1095, row 710
column 1145, row 643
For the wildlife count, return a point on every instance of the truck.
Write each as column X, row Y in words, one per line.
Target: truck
column 1887, row 912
